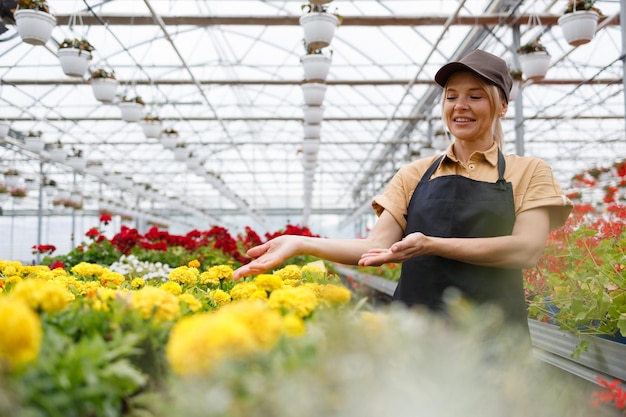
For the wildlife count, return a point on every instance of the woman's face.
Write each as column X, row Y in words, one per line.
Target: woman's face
column 467, row 109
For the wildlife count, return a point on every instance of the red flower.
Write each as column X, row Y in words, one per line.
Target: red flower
column 105, row 218
column 57, row 264
column 93, row 232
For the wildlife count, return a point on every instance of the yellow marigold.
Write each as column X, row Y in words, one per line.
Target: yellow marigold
column 184, row 275
column 42, row 295
column 289, row 272
column 291, row 282
column 59, row 272
column 35, row 271
column 172, row 288
column 87, row 270
column 101, row 298
column 12, row 279
column 10, row 268
column 155, row 303
column 268, row 282
column 192, row 302
column 222, row 272
column 315, row 287
column 374, row 321
column 20, row 338
column 220, row 297
column 314, row 268
column 259, row 294
column 242, row 290
column 138, row 283
column 88, row 288
column 294, row 325
column 110, row 278
column 194, row 264
column 200, row 342
column 206, row 278
column 300, row 301
column 335, row 293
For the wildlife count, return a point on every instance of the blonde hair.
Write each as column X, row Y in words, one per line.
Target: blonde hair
column 496, row 98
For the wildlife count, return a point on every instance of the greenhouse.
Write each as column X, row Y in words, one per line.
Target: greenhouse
column 146, row 146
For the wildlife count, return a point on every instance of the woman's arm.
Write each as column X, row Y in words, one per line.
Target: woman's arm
column 346, row 251
column 521, row 249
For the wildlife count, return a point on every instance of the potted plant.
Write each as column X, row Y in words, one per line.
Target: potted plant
column 18, row 192
column 77, row 160
column 74, row 55
column 56, row 152
column 169, row 138
column 534, row 59
column 4, row 193
column 11, row 177
column 104, row 85
column 313, row 93
column 318, row 25
column 34, row 21
column 579, row 21
column 313, row 114
column 132, row 108
column 315, row 64
column 152, row 126
column 95, row 167
column 49, row 186
column 34, row 142
column 180, row 151
column 518, row 78
column 312, row 130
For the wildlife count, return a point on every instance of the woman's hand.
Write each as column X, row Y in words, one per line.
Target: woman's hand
column 269, row 255
column 407, row 248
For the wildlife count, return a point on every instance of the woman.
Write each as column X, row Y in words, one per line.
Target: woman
column 470, row 219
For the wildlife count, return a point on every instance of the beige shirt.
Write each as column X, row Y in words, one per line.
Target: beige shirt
column 534, row 184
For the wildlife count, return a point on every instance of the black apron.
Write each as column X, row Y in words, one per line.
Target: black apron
column 457, row 206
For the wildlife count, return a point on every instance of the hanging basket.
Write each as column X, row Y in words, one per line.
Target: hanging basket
column 34, row 26
column 57, row 154
column 74, row 61
column 12, row 181
column 4, row 130
column 132, row 111
column 579, row 27
column 169, row 140
column 310, row 146
column 180, row 153
column 152, row 128
column 534, row 65
column 34, row 144
column 515, row 88
column 315, row 66
column 312, row 130
column 320, row 1
column 78, row 163
column 313, row 114
column 104, row 89
column 319, row 28
column 314, row 93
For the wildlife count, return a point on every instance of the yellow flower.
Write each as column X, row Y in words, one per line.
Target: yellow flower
column 20, row 338
column 102, row 297
column 192, row 302
column 289, row 272
column 291, row 282
column 108, row 278
column 138, row 283
column 194, row 264
column 294, row 325
column 42, row 295
column 243, row 290
column 314, row 268
column 184, row 275
column 222, row 272
column 259, row 294
column 87, row 270
column 12, row 279
column 8, row 268
column 200, row 342
column 268, row 282
column 335, row 293
column 300, row 301
column 220, row 297
column 206, row 278
column 172, row 288
column 155, row 303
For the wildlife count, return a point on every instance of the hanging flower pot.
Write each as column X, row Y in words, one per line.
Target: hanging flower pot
column 77, row 160
column 12, row 178
column 181, row 153
column 314, row 93
column 132, row 109
column 4, row 130
column 104, row 85
column 313, row 114
column 151, row 127
column 579, row 26
column 33, row 142
column 57, row 153
column 312, row 130
column 319, row 26
column 310, row 146
column 74, row 55
column 316, row 66
column 95, row 167
column 169, row 138
column 35, row 25
column 534, row 60
column 518, row 78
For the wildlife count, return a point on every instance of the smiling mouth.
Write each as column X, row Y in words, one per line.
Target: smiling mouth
column 463, row 119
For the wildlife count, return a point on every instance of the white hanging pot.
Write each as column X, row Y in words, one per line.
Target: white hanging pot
column 579, row 27
column 78, row 163
column 34, row 26
column 12, row 181
column 152, row 128
column 74, row 61
column 316, row 66
column 34, row 144
column 4, row 130
column 534, row 65
column 96, row 169
column 514, row 90
column 308, row 165
column 319, row 28
column 313, row 114
column 310, row 146
column 312, row 131
column 57, row 154
column 104, row 89
column 131, row 111
column 169, row 140
column 314, row 93
column 180, row 154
